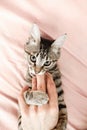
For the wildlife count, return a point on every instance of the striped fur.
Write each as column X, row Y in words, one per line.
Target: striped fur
column 43, row 54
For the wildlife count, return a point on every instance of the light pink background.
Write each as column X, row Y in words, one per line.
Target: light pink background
column 54, row 18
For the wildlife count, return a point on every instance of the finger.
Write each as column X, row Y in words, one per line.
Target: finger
column 41, row 82
column 23, row 106
column 51, row 90
column 34, row 83
column 33, row 108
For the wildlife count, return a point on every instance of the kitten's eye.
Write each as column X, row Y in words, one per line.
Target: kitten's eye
column 33, row 58
column 47, row 63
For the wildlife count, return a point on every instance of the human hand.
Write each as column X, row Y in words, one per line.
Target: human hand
column 43, row 117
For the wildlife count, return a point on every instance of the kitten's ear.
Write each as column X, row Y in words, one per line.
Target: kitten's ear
column 58, row 43
column 33, row 43
column 35, row 33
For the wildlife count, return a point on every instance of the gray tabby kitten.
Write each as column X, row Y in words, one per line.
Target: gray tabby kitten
column 42, row 56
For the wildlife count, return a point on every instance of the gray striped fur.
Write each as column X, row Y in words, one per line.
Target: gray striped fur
column 45, row 50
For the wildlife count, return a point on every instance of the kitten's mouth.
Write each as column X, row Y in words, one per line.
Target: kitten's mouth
column 40, row 73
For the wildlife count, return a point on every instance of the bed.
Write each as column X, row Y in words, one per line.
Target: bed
column 54, row 19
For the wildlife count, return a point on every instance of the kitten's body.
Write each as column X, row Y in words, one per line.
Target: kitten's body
column 42, row 57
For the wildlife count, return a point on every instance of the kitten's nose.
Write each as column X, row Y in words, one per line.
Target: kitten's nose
column 37, row 69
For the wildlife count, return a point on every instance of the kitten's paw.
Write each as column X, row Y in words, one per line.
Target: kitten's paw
column 35, row 97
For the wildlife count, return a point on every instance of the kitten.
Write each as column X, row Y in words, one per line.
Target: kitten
column 42, row 56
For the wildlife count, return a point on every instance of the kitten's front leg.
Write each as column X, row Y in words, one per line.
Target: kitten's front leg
column 62, row 122
column 19, row 122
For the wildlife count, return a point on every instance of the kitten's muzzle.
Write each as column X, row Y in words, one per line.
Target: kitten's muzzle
column 37, row 70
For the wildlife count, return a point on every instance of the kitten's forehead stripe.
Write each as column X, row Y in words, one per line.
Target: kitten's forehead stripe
column 43, row 53
column 44, row 47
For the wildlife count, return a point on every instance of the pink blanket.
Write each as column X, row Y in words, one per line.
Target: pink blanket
column 54, row 18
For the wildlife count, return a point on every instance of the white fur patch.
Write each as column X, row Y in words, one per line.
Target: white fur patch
column 40, row 61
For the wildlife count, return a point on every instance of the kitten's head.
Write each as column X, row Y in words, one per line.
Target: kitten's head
column 42, row 54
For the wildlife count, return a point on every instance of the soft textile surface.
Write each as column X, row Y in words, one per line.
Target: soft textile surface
column 54, row 17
